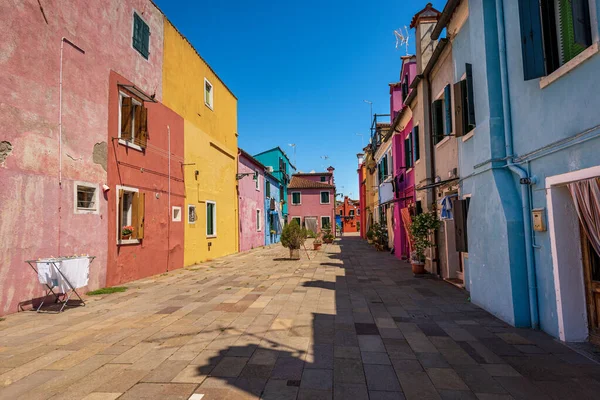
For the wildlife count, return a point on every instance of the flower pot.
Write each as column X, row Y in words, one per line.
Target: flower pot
column 370, row 241
column 317, row 246
column 328, row 241
column 126, row 237
column 418, row 268
column 295, row 254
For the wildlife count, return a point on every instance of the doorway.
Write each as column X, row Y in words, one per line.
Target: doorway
column 591, row 275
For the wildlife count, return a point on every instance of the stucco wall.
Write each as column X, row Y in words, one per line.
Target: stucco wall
column 251, row 200
column 311, row 205
column 271, row 159
column 37, row 214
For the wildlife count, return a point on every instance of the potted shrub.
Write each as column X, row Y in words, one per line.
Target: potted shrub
column 126, row 232
column 317, row 243
column 380, row 236
column 421, row 228
column 370, row 236
column 328, row 237
column 293, row 237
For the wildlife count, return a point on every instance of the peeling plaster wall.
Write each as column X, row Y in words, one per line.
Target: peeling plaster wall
column 251, row 200
column 37, row 214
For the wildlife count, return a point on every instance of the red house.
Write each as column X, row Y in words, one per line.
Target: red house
column 349, row 213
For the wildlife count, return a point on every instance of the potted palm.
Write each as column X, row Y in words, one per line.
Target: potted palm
column 423, row 225
column 293, row 237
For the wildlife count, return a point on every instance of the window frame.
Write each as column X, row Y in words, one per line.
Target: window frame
column 351, row 213
column 214, row 234
column 128, row 189
column 299, row 198
column 323, row 225
column 267, row 189
column 257, row 181
column 328, row 196
column 135, row 102
column 189, row 207
column 96, row 187
column 258, row 217
column 211, row 102
column 323, row 179
column 297, row 218
column 173, row 217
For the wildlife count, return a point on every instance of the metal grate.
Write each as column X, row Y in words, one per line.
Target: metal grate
column 86, row 198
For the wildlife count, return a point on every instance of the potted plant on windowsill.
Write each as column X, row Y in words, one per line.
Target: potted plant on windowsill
column 126, row 232
column 423, row 225
column 293, row 237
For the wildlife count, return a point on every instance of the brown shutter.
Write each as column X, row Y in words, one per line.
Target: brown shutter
column 141, row 208
column 137, row 112
column 142, row 132
column 134, row 214
column 460, row 209
column 120, row 213
column 126, row 113
column 458, row 110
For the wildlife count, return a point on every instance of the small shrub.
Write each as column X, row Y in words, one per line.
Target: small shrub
column 421, row 228
column 293, row 236
column 310, row 234
column 107, row 290
column 370, row 234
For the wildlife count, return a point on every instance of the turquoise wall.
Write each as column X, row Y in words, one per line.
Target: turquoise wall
column 270, row 158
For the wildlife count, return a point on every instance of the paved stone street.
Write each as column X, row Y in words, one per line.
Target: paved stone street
column 350, row 323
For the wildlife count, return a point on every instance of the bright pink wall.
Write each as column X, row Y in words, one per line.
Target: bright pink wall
column 250, row 200
column 311, row 205
column 37, row 214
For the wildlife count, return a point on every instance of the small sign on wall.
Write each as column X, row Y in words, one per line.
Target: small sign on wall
column 539, row 219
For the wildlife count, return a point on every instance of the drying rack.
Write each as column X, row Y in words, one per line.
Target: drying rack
column 55, row 262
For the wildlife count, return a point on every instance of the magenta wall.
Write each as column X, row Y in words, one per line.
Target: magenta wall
column 37, row 213
column 250, row 200
column 311, row 205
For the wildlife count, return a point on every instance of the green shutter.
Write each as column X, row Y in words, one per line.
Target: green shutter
column 570, row 48
column 416, row 150
column 470, row 110
column 406, row 154
column 448, row 110
column 210, row 219
column 141, row 36
column 438, row 122
column 268, row 189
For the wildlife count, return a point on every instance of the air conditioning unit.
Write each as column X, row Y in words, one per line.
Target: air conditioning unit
column 270, row 170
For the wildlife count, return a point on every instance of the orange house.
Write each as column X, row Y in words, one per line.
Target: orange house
column 349, row 214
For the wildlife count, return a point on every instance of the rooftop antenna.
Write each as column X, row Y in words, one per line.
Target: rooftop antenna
column 402, row 38
column 294, row 146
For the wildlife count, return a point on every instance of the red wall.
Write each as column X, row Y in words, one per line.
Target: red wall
column 348, row 222
column 162, row 247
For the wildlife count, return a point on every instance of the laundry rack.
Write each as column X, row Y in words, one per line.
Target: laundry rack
column 63, row 274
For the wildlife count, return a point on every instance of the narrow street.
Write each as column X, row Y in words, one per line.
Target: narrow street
column 350, row 323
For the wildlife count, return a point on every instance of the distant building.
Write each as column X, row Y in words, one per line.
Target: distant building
column 280, row 166
column 311, row 199
column 347, row 212
column 251, row 201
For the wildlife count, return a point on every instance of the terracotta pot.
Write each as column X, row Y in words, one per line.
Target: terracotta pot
column 317, row 246
column 328, row 241
column 370, row 241
column 418, row 269
column 295, row 254
column 126, row 237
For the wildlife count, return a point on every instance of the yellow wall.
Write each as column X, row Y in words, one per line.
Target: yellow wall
column 210, row 140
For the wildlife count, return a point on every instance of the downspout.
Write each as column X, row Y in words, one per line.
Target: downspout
column 169, row 202
column 434, row 250
column 520, row 172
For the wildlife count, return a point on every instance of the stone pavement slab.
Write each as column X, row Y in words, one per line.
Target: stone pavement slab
column 350, row 323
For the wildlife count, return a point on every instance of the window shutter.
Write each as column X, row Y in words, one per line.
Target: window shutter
column 141, row 209
column 143, row 131
column 459, row 129
column 126, row 114
column 531, row 39
column 438, row 123
column 406, row 153
column 581, row 22
column 145, row 40
column 448, row 109
column 120, row 213
column 416, row 150
column 470, row 98
column 460, row 210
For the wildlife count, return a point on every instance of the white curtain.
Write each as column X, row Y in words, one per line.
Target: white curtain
column 586, row 195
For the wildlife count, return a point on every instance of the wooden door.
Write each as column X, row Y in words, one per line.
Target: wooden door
column 591, row 274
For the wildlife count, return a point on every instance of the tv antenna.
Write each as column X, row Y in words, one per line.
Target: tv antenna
column 402, row 38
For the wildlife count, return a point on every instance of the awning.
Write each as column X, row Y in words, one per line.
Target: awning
column 138, row 92
column 436, row 184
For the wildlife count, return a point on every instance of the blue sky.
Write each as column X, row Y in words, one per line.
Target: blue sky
column 301, row 70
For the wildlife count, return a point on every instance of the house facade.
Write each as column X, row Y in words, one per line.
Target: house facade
column 251, row 202
column 311, row 199
column 209, row 108
column 282, row 169
column 49, row 160
column 362, row 193
column 274, row 220
column 349, row 214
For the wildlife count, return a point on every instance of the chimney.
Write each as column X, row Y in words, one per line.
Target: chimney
column 424, row 21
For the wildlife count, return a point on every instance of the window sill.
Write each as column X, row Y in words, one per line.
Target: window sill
column 468, row 135
column 569, row 66
column 410, row 169
column 129, row 144
column 127, row 242
column 83, row 212
column 211, row 236
column 209, row 106
column 442, row 142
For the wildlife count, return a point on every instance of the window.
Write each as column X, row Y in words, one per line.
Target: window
column 447, row 111
column 131, row 210
column 358, row 211
column 141, row 36
column 258, row 220
column 351, row 213
column 323, row 179
column 341, row 212
column 437, row 129
column 133, row 122
column 281, row 193
column 325, row 223
column 298, row 220
column 272, row 223
column 268, row 190
column 211, row 219
column 176, row 214
column 464, row 105
column 553, row 32
column 460, row 208
column 86, row 198
column 408, row 155
column 208, row 94
column 192, row 216
column 257, row 180
column 296, row 198
column 418, row 208
column 415, row 144
column 325, row 197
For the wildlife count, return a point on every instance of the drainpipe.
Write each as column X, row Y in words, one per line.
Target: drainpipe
column 520, row 172
column 169, row 202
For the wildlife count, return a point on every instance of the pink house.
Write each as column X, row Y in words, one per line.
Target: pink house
column 251, row 201
column 311, row 200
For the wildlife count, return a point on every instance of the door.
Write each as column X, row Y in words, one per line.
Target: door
column 591, row 275
column 311, row 224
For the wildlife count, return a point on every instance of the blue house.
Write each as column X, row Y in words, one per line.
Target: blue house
column 282, row 169
column 526, row 79
column 274, row 220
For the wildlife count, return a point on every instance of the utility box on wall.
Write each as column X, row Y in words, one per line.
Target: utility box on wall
column 539, row 219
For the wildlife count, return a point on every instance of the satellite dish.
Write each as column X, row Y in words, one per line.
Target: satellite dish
column 402, row 38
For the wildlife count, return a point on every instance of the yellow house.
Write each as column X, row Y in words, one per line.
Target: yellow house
column 193, row 90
